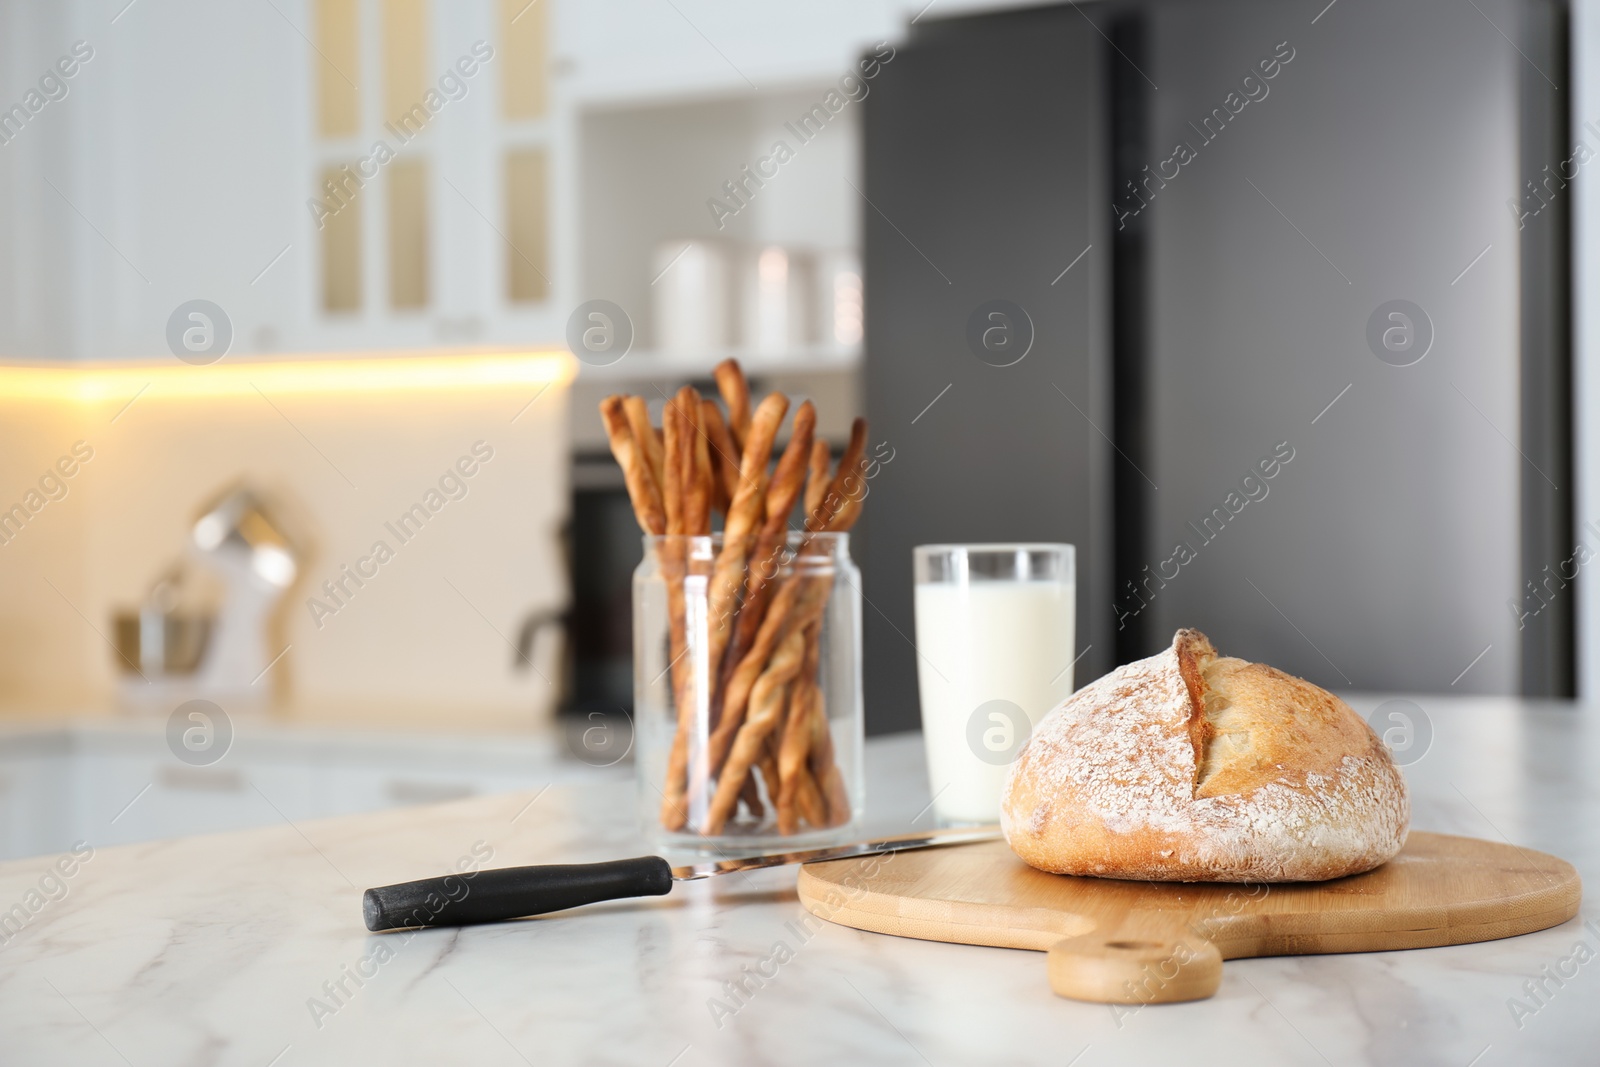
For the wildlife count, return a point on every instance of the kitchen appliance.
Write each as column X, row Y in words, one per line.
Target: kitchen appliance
column 1124, row 942
column 167, row 634
column 244, row 545
column 989, row 446
column 515, row 892
column 204, row 630
column 1194, row 313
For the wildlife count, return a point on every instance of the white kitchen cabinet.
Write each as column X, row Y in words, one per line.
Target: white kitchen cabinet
column 349, row 787
column 111, row 782
column 136, row 798
column 36, row 797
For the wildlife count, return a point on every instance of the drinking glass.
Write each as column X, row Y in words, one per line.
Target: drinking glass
column 995, row 630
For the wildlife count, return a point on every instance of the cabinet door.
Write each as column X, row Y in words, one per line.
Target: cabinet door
column 345, row 788
column 137, row 797
column 35, row 804
column 348, row 785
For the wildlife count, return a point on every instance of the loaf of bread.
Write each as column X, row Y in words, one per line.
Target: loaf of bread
column 1188, row 766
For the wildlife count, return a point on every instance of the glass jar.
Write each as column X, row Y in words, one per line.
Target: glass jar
column 747, row 691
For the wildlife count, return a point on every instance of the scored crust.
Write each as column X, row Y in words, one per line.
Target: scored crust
column 1189, row 766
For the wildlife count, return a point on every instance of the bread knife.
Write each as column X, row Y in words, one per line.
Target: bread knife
column 516, row 892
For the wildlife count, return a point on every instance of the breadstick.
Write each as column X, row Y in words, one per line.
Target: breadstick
column 844, row 499
column 818, row 786
column 737, row 681
column 766, row 703
column 790, row 475
column 745, row 512
column 642, row 490
column 767, row 555
column 848, row 490
column 690, row 459
column 725, row 455
column 836, row 796
column 755, row 454
column 705, row 480
column 672, row 467
column 694, row 492
column 750, row 793
column 673, row 810
column 808, row 797
column 767, row 760
column 769, row 747
column 796, row 739
column 800, row 786
column 817, row 478
column 824, row 770
column 674, row 813
column 764, row 767
column 793, row 607
column 644, row 435
column 787, row 480
column 736, row 394
column 716, row 485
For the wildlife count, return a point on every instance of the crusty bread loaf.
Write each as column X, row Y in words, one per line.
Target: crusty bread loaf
column 1188, row 766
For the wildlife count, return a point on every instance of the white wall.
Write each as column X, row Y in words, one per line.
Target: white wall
column 427, row 633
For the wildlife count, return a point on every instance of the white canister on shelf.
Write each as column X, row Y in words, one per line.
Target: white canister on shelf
column 777, row 288
column 691, row 297
column 840, row 317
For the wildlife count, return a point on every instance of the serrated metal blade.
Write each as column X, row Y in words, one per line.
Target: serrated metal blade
column 899, row 843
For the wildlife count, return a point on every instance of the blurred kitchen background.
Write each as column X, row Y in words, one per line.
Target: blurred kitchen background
column 1275, row 310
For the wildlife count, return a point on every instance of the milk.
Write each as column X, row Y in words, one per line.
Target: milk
column 983, row 641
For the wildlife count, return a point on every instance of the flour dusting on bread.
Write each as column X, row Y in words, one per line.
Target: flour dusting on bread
column 1190, row 766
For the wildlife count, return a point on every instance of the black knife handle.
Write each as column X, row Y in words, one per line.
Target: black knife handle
column 511, row 892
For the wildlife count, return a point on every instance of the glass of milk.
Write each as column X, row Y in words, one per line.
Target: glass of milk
column 994, row 655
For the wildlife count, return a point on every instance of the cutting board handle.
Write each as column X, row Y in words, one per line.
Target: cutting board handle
column 1145, row 958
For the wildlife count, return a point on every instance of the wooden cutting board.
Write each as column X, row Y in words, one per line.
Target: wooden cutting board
column 1155, row 942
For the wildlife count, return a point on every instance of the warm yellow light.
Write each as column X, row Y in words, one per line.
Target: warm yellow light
column 471, row 369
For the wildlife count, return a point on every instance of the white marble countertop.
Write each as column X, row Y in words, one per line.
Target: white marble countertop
column 229, row 949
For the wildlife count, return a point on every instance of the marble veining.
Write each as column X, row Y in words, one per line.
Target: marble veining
column 247, row 949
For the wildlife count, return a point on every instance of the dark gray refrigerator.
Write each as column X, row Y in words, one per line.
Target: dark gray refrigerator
column 1281, row 346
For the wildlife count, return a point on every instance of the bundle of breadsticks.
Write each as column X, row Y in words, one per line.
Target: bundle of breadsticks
column 745, row 685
